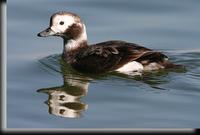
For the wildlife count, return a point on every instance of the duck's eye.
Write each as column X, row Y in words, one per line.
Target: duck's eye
column 61, row 23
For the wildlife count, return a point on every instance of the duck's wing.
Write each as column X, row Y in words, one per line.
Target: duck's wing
column 111, row 55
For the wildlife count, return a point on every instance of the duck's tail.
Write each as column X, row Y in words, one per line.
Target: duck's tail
column 169, row 65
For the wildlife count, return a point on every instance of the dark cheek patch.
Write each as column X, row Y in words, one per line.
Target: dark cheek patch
column 74, row 31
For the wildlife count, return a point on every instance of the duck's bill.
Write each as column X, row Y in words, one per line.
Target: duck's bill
column 46, row 33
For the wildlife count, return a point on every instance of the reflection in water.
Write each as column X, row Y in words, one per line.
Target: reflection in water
column 153, row 79
column 65, row 100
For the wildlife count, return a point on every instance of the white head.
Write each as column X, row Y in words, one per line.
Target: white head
column 66, row 25
column 59, row 23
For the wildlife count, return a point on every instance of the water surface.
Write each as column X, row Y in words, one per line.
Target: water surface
column 43, row 92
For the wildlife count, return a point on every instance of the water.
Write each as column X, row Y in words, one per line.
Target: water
column 43, row 92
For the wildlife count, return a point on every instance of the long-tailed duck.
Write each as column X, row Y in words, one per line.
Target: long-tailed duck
column 102, row 57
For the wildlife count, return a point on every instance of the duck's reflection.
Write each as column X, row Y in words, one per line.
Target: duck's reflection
column 65, row 100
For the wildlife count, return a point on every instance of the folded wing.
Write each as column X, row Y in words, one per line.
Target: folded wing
column 111, row 55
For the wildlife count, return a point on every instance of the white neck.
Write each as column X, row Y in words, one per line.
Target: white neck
column 71, row 44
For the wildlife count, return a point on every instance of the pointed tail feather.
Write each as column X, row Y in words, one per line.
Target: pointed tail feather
column 169, row 65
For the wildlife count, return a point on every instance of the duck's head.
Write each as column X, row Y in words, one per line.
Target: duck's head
column 66, row 25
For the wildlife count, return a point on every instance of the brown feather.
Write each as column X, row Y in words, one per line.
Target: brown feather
column 105, row 56
column 111, row 55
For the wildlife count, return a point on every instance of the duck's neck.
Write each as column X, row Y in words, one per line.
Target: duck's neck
column 73, row 45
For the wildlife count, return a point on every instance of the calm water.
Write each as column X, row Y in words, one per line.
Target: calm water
column 43, row 92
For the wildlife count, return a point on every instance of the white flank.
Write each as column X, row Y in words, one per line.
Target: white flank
column 131, row 67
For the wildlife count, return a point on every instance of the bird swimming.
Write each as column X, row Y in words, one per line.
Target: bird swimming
column 114, row 55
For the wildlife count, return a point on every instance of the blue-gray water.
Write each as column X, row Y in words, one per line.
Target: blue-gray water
column 41, row 89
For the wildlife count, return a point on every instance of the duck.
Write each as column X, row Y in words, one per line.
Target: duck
column 107, row 56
